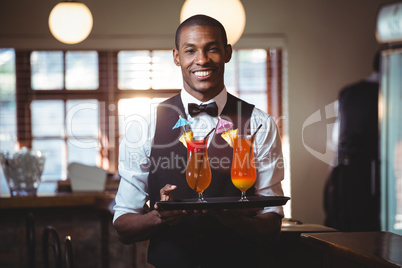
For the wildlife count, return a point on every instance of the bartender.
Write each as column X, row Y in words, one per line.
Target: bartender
column 152, row 164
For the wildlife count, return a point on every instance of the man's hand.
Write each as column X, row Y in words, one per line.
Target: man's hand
column 133, row 227
column 171, row 217
column 165, row 192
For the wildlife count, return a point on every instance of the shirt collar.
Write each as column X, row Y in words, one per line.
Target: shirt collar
column 220, row 100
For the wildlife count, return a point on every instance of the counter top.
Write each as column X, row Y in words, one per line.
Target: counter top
column 98, row 200
column 292, row 226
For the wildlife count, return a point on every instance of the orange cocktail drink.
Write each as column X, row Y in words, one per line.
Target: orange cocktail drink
column 198, row 172
column 243, row 172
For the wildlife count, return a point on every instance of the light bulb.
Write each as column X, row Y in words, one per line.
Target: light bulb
column 228, row 12
column 70, row 22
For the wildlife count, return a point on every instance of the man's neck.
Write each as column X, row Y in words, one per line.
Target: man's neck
column 203, row 97
column 220, row 99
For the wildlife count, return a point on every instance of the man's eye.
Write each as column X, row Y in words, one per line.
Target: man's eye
column 189, row 51
column 213, row 49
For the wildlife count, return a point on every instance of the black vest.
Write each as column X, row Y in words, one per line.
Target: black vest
column 199, row 238
column 169, row 156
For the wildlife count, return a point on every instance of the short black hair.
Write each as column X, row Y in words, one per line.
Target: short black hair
column 200, row 20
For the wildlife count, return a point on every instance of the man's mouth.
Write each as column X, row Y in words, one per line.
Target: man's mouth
column 203, row 73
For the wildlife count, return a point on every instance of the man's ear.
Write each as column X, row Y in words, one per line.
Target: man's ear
column 176, row 57
column 228, row 53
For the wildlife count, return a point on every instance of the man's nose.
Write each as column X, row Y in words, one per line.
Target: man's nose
column 201, row 58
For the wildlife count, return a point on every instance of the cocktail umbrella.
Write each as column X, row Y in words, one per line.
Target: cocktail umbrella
column 186, row 135
column 223, row 125
column 181, row 123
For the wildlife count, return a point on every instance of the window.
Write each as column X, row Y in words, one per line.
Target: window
column 58, row 108
column 8, row 123
column 47, row 70
column 245, row 76
column 66, row 131
column 153, row 72
column 137, row 111
column 81, row 70
column 143, row 69
column 8, row 119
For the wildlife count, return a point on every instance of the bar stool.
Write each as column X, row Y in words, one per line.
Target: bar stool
column 69, row 252
column 50, row 239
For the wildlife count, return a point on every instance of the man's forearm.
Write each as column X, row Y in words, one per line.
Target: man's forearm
column 137, row 227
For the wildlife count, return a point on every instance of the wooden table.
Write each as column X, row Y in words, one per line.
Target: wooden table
column 356, row 249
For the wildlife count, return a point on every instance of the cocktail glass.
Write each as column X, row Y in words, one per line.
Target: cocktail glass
column 198, row 172
column 243, row 172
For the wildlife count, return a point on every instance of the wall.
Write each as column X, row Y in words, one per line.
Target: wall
column 328, row 44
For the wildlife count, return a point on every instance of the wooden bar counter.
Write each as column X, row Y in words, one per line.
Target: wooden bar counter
column 52, row 200
column 356, row 249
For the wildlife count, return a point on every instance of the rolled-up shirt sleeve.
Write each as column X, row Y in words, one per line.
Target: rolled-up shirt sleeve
column 268, row 158
column 134, row 157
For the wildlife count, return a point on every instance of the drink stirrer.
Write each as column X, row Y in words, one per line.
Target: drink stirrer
column 251, row 145
column 202, row 159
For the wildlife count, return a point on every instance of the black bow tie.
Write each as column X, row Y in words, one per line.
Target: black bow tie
column 210, row 108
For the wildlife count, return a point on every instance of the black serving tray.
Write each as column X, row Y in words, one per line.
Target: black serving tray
column 223, row 203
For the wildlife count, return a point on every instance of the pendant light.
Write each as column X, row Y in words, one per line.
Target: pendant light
column 228, row 12
column 70, row 22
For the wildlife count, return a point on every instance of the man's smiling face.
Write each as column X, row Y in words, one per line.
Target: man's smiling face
column 202, row 55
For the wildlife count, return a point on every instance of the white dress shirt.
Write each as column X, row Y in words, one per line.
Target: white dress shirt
column 135, row 151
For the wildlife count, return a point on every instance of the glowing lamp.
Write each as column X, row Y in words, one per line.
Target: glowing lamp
column 228, row 12
column 70, row 22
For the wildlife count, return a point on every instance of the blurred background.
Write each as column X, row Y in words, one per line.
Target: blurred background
column 73, row 101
